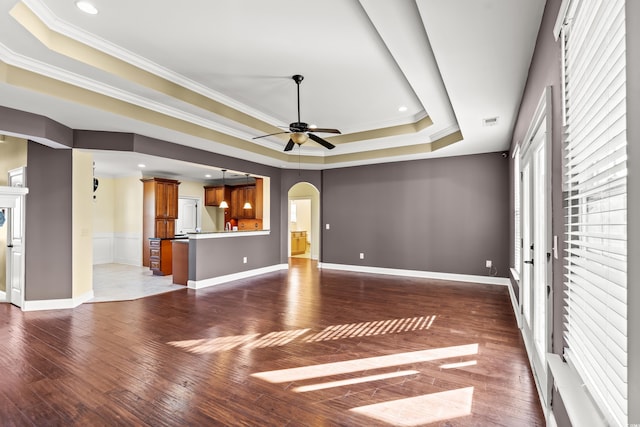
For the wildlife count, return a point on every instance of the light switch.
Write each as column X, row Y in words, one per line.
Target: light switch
column 327, row 226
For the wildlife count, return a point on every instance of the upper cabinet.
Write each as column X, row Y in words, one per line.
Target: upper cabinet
column 236, row 197
column 166, row 195
column 214, row 195
column 160, row 210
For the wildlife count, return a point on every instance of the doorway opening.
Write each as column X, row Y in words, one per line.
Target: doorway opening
column 304, row 221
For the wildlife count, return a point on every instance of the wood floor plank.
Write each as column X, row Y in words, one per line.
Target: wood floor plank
column 289, row 348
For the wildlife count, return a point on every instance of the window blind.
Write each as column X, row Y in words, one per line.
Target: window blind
column 595, row 322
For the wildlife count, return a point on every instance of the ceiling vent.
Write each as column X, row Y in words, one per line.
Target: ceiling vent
column 490, row 121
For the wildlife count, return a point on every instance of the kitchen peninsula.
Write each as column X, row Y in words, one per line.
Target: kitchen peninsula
column 218, row 257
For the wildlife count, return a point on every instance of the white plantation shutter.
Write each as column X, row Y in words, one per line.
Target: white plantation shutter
column 595, row 182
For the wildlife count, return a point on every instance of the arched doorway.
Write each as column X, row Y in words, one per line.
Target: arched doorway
column 304, row 221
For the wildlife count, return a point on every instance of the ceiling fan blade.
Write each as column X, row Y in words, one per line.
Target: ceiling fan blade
column 290, row 145
column 325, row 130
column 271, row 134
column 321, row 141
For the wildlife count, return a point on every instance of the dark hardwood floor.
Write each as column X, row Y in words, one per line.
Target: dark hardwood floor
column 306, row 347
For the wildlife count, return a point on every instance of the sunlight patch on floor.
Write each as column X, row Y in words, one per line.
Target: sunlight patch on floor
column 359, row 380
column 459, row 364
column 280, row 338
column 363, row 364
column 419, row 410
column 366, row 329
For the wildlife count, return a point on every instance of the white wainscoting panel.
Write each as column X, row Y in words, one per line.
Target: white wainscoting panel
column 127, row 248
column 102, row 248
column 118, row 248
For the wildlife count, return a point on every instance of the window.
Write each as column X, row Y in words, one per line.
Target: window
column 517, row 238
column 595, row 186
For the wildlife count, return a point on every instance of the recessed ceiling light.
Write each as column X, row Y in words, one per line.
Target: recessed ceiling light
column 207, row 176
column 402, row 108
column 87, row 7
column 142, row 165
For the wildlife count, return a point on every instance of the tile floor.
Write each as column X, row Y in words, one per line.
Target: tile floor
column 119, row 282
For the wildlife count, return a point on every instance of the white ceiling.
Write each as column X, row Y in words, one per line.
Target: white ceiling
column 456, row 61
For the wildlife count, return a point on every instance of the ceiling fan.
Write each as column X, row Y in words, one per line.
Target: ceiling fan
column 300, row 131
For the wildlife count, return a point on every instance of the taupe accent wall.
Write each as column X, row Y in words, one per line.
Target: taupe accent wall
column 48, row 234
column 445, row 215
column 36, row 127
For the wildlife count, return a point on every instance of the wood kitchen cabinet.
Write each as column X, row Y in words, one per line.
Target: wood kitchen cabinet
column 240, row 195
column 214, row 195
column 298, row 242
column 159, row 212
column 160, row 257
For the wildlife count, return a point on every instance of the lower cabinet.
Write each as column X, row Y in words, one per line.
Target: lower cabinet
column 180, row 262
column 160, row 256
column 298, row 242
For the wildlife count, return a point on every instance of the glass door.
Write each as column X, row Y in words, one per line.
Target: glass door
column 535, row 285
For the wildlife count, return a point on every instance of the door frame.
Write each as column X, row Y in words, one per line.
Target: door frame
column 10, row 198
column 528, row 152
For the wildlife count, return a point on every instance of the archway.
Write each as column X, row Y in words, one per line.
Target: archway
column 304, row 220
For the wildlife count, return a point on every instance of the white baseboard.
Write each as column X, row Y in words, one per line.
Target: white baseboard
column 516, row 307
column 57, row 304
column 3, row 296
column 489, row 280
column 199, row 284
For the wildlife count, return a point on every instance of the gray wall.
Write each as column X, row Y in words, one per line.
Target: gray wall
column 35, row 127
column 441, row 215
column 48, row 238
column 222, row 256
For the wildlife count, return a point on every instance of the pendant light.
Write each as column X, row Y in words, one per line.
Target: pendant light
column 223, row 203
column 247, row 205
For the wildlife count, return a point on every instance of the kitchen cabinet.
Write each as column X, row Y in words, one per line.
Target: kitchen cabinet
column 214, row 195
column 298, row 242
column 239, row 196
column 160, row 254
column 249, row 224
column 180, row 249
column 159, row 212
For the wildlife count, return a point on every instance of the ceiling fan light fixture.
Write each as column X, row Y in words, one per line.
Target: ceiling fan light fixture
column 299, row 137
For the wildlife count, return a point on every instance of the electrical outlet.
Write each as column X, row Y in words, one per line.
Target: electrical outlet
column 488, row 263
column 244, row 260
column 327, row 226
column 361, row 255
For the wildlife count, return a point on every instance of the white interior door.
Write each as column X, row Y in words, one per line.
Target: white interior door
column 15, row 240
column 535, row 276
column 187, row 221
column 15, row 257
